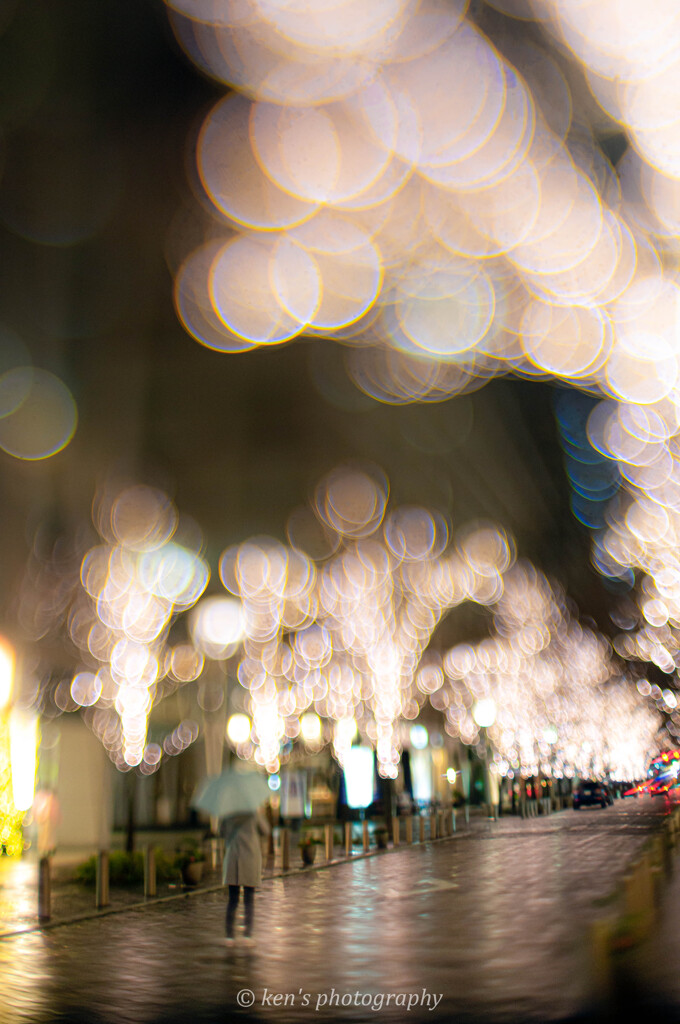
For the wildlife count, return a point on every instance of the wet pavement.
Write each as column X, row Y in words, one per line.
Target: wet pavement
column 491, row 925
column 650, row 978
column 71, row 900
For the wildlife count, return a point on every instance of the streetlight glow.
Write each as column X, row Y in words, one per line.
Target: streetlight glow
column 484, row 712
column 217, row 626
column 310, row 727
column 419, row 736
column 238, row 729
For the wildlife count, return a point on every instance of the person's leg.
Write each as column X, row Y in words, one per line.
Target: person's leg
column 249, row 900
column 232, row 904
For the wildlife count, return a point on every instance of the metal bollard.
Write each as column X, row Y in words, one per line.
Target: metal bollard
column 328, row 841
column 285, row 849
column 421, row 832
column 348, row 839
column 409, row 830
column 101, row 894
column 395, row 831
column 364, row 836
column 149, row 871
column 453, row 820
column 44, row 889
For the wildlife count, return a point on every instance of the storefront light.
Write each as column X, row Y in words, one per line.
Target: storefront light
column 359, row 770
column 23, row 744
column 6, row 672
column 421, row 775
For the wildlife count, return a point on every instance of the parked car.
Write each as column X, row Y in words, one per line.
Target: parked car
column 592, row 794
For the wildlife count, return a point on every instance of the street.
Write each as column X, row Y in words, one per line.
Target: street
column 340, row 477
column 490, row 925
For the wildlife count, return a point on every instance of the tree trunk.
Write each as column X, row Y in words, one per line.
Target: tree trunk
column 131, row 787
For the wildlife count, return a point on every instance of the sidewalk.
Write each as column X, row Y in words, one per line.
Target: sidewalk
column 72, row 901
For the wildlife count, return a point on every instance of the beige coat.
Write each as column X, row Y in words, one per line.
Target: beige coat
column 242, row 864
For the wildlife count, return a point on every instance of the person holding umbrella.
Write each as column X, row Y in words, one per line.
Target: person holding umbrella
column 242, row 867
column 235, row 798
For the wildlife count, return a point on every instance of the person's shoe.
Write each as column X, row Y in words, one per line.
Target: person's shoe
column 229, row 942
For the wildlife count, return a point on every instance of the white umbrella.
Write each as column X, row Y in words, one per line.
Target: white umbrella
column 232, row 792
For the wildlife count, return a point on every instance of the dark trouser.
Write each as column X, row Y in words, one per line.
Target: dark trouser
column 249, row 902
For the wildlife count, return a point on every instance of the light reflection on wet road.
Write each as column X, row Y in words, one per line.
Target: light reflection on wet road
column 493, row 921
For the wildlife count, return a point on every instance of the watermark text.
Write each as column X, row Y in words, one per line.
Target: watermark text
column 320, row 1001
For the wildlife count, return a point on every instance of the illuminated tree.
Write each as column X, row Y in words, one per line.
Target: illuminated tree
column 11, row 839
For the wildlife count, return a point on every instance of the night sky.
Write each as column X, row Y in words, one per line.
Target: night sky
column 98, row 109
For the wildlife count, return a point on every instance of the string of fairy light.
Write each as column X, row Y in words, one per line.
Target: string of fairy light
column 413, row 180
column 359, row 655
column 343, row 646
column 431, row 195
